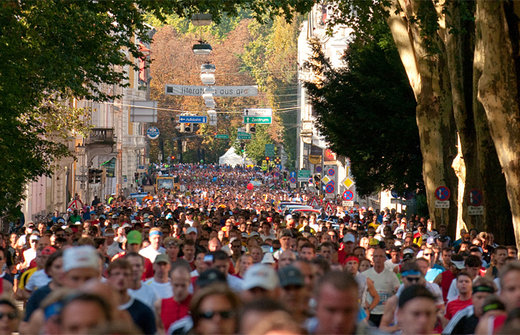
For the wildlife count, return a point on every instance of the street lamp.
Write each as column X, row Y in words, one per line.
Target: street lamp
column 202, row 49
column 207, row 78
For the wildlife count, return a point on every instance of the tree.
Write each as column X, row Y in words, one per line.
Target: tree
column 436, row 41
column 59, row 50
column 366, row 119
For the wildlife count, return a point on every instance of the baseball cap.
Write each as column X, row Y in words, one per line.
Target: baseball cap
column 430, row 240
column 47, row 251
column 191, row 230
column 290, row 275
column 458, row 264
column 134, row 237
column 80, row 257
column 349, row 238
column 161, row 258
column 268, row 258
column 260, row 275
column 288, row 217
column 209, row 277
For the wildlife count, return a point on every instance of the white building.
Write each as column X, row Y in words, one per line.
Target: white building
column 115, row 147
column 311, row 146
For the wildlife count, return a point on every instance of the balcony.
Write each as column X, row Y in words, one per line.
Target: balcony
column 101, row 136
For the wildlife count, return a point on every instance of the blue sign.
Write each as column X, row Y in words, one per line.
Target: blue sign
column 331, row 172
column 395, row 194
column 193, row 119
column 348, row 195
column 292, row 174
column 318, row 169
column 475, row 197
column 292, row 180
column 331, row 183
column 279, row 166
column 152, row 133
column 442, row 193
column 329, row 188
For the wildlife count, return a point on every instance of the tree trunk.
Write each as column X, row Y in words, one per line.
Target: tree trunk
column 498, row 91
column 429, row 80
column 497, row 213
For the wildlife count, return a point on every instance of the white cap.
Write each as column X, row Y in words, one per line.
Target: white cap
column 191, row 230
column 268, row 258
column 349, row 238
column 80, row 257
column 260, row 275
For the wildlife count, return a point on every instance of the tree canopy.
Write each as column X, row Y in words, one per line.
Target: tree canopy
column 366, row 111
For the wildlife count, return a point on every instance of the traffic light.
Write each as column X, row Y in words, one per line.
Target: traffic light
column 317, row 180
column 285, row 176
column 136, row 177
column 172, row 157
column 91, row 176
column 252, row 128
column 187, row 127
column 267, row 159
column 242, row 147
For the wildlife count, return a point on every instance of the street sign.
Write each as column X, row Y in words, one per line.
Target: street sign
column 347, row 203
column 328, row 209
column 348, row 182
column 304, row 175
column 315, row 159
column 218, row 91
column 329, row 188
column 243, row 136
column 258, row 119
column 475, row 210
column 394, row 194
column 81, row 177
column 269, row 149
column 325, row 180
column 152, row 133
column 292, row 180
column 348, row 195
column 442, row 193
column 475, row 197
column 442, row 204
column 331, row 172
column 222, row 136
column 264, row 112
column 193, row 119
column 318, row 169
column 315, row 203
column 292, row 174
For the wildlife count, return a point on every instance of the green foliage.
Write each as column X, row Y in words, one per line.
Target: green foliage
column 271, row 59
column 366, row 111
column 54, row 50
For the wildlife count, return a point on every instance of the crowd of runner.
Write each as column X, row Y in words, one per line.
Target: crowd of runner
column 219, row 257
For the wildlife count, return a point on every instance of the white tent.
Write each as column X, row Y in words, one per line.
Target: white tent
column 232, row 158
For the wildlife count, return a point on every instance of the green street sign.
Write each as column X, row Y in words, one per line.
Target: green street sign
column 304, row 175
column 222, row 136
column 243, row 136
column 258, row 119
column 269, row 150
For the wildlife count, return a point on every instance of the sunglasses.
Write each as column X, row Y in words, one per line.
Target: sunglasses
column 10, row 316
column 427, row 254
column 211, row 314
column 413, row 279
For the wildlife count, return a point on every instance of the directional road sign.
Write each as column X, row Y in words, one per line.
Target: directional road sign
column 243, row 135
column 348, row 195
column 304, row 175
column 218, row 91
column 222, row 136
column 258, row 119
column 265, row 112
column 475, row 197
column 442, row 193
column 193, row 119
